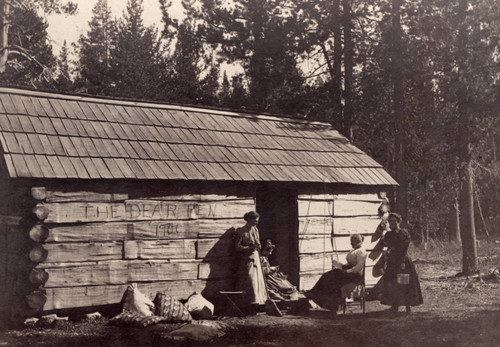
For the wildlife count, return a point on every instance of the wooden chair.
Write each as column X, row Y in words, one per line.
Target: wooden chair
column 354, row 293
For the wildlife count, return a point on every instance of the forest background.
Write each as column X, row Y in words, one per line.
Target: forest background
column 414, row 83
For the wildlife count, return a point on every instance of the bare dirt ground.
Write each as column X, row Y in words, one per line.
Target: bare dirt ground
column 456, row 312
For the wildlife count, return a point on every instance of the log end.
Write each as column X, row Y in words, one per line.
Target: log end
column 38, row 254
column 39, row 232
column 38, row 276
column 37, row 299
column 41, row 211
column 39, row 193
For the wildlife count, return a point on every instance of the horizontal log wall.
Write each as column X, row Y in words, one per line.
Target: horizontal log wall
column 326, row 222
column 99, row 242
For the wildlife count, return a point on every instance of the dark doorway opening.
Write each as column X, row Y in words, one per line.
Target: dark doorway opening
column 277, row 207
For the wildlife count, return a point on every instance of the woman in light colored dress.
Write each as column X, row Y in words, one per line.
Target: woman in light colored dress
column 327, row 291
column 250, row 277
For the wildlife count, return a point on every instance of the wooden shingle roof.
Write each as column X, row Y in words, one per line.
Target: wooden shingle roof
column 46, row 135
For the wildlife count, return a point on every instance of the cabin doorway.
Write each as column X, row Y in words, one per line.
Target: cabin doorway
column 277, row 207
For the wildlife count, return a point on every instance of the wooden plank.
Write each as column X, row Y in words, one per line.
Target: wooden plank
column 159, row 249
column 306, row 281
column 328, row 244
column 217, row 269
column 315, row 208
column 117, row 231
column 355, row 208
column 314, row 263
column 355, row 225
column 146, row 210
column 214, row 248
column 85, row 296
column 73, row 252
column 60, row 196
column 315, row 226
column 358, row 197
column 117, row 272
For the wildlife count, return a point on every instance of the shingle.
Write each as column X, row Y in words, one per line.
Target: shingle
column 136, row 168
column 48, row 126
column 36, row 143
column 57, row 167
column 5, row 123
column 33, row 166
column 74, row 167
column 24, row 143
column 80, row 168
column 68, row 146
column 11, row 143
column 57, row 107
column 17, row 166
column 79, row 146
column 57, row 145
column 18, row 104
column 91, row 168
column 30, row 107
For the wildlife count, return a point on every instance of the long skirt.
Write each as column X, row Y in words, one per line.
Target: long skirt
column 279, row 287
column 397, row 294
column 251, row 279
column 327, row 291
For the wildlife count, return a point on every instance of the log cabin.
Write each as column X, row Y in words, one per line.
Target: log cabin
column 98, row 193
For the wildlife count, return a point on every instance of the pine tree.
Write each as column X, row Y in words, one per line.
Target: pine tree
column 63, row 80
column 27, row 54
column 11, row 47
column 137, row 64
column 186, row 63
column 94, row 51
column 260, row 35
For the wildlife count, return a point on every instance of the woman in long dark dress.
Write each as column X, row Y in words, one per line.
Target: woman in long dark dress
column 400, row 284
column 250, row 277
column 327, row 291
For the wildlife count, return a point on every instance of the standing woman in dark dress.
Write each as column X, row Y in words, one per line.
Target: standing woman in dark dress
column 400, row 285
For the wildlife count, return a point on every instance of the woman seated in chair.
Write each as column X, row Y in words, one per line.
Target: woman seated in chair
column 278, row 286
column 327, row 291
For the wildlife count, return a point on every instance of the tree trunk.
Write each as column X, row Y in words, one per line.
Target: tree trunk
column 4, row 33
column 337, row 67
column 457, row 221
column 348, row 67
column 398, row 95
column 465, row 174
